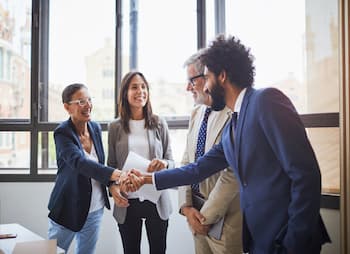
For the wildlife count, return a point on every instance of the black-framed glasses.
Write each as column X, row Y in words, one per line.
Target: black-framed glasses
column 193, row 79
column 81, row 102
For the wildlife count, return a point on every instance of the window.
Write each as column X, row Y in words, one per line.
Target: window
column 81, row 50
column 1, row 64
column 46, row 153
column 325, row 142
column 299, row 56
column 210, row 24
column 160, row 55
column 108, row 73
column 15, row 46
column 296, row 45
column 14, row 151
column 5, row 140
column 15, row 68
column 178, row 144
column 29, row 113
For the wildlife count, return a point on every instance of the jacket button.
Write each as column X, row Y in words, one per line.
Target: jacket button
column 245, row 184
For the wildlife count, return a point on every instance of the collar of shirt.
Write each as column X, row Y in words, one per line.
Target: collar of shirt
column 239, row 101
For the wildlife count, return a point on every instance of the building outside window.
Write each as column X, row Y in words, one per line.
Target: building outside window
column 297, row 52
column 300, row 56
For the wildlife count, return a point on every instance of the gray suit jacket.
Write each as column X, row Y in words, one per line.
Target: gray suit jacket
column 159, row 146
column 221, row 189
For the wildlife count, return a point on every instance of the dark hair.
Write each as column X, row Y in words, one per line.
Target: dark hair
column 151, row 120
column 69, row 90
column 231, row 56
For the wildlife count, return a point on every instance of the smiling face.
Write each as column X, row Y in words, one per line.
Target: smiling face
column 78, row 113
column 196, row 86
column 137, row 93
column 215, row 90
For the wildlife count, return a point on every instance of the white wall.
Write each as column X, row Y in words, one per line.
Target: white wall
column 26, row 204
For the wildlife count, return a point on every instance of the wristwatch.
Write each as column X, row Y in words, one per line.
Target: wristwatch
column 117, row 182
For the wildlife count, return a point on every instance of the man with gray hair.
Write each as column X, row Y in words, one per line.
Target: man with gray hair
column 205, row 128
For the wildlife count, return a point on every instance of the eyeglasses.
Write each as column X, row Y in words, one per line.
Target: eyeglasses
column 193, row 79
column 81, row 102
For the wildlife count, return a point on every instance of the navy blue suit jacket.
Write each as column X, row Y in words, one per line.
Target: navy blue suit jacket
column 280, row 182
column 70, row 199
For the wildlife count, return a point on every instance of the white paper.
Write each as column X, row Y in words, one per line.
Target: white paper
column 147, row 191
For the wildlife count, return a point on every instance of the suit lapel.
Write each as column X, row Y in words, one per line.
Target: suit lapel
column 193, row 134
column 240, row 122
column 151, row 139
column 122, row 148
column 74, row 131
column 94, row 137
column 215, row 128
column 228, row 146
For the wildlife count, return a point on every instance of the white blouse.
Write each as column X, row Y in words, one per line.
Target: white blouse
column 97, row 201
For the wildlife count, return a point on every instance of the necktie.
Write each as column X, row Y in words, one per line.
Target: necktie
column 233, row 124
column 234, row 120
column 202, row 136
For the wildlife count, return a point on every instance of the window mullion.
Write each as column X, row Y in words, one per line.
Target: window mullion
column 34, row 87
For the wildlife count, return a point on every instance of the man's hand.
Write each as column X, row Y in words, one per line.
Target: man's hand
column 156, row 165
column 143, row 178
column 194, row 220
column 119, row 197
column 130, row 181
column 136, row 181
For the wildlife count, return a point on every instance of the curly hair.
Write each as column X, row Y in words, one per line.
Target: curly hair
column 232, row 56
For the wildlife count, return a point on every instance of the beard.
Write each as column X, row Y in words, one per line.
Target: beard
column 218, row 97
column 202, row 98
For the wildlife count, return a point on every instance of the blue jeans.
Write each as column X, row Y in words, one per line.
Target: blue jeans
column 86, row 238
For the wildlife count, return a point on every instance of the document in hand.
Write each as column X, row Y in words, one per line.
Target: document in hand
column 147, row 191
column 216, row 229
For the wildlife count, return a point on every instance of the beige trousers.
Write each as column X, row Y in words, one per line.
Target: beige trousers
column 230, row 242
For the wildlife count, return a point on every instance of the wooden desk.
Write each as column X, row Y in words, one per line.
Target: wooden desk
column 23, row 235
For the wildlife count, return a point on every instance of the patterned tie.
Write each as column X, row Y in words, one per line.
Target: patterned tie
column 202, row 135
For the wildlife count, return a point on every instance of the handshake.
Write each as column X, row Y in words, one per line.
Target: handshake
column 129, row 181
column 132, row 180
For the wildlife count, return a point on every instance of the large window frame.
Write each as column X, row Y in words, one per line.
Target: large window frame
column 39, row 76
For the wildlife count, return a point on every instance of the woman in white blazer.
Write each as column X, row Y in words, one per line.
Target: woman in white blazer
column 140, row 131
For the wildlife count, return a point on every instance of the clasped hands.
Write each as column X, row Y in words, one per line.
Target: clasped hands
column 131, row 181
column 195, row 221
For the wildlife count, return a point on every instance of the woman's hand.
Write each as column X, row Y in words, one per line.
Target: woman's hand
column 119, row 197
column 156, row 165
column 116, row 175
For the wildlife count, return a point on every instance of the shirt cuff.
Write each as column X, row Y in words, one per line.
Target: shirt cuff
column 154, row 181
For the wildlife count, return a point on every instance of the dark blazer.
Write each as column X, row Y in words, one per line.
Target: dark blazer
column 70, row 198
column 280, row 182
